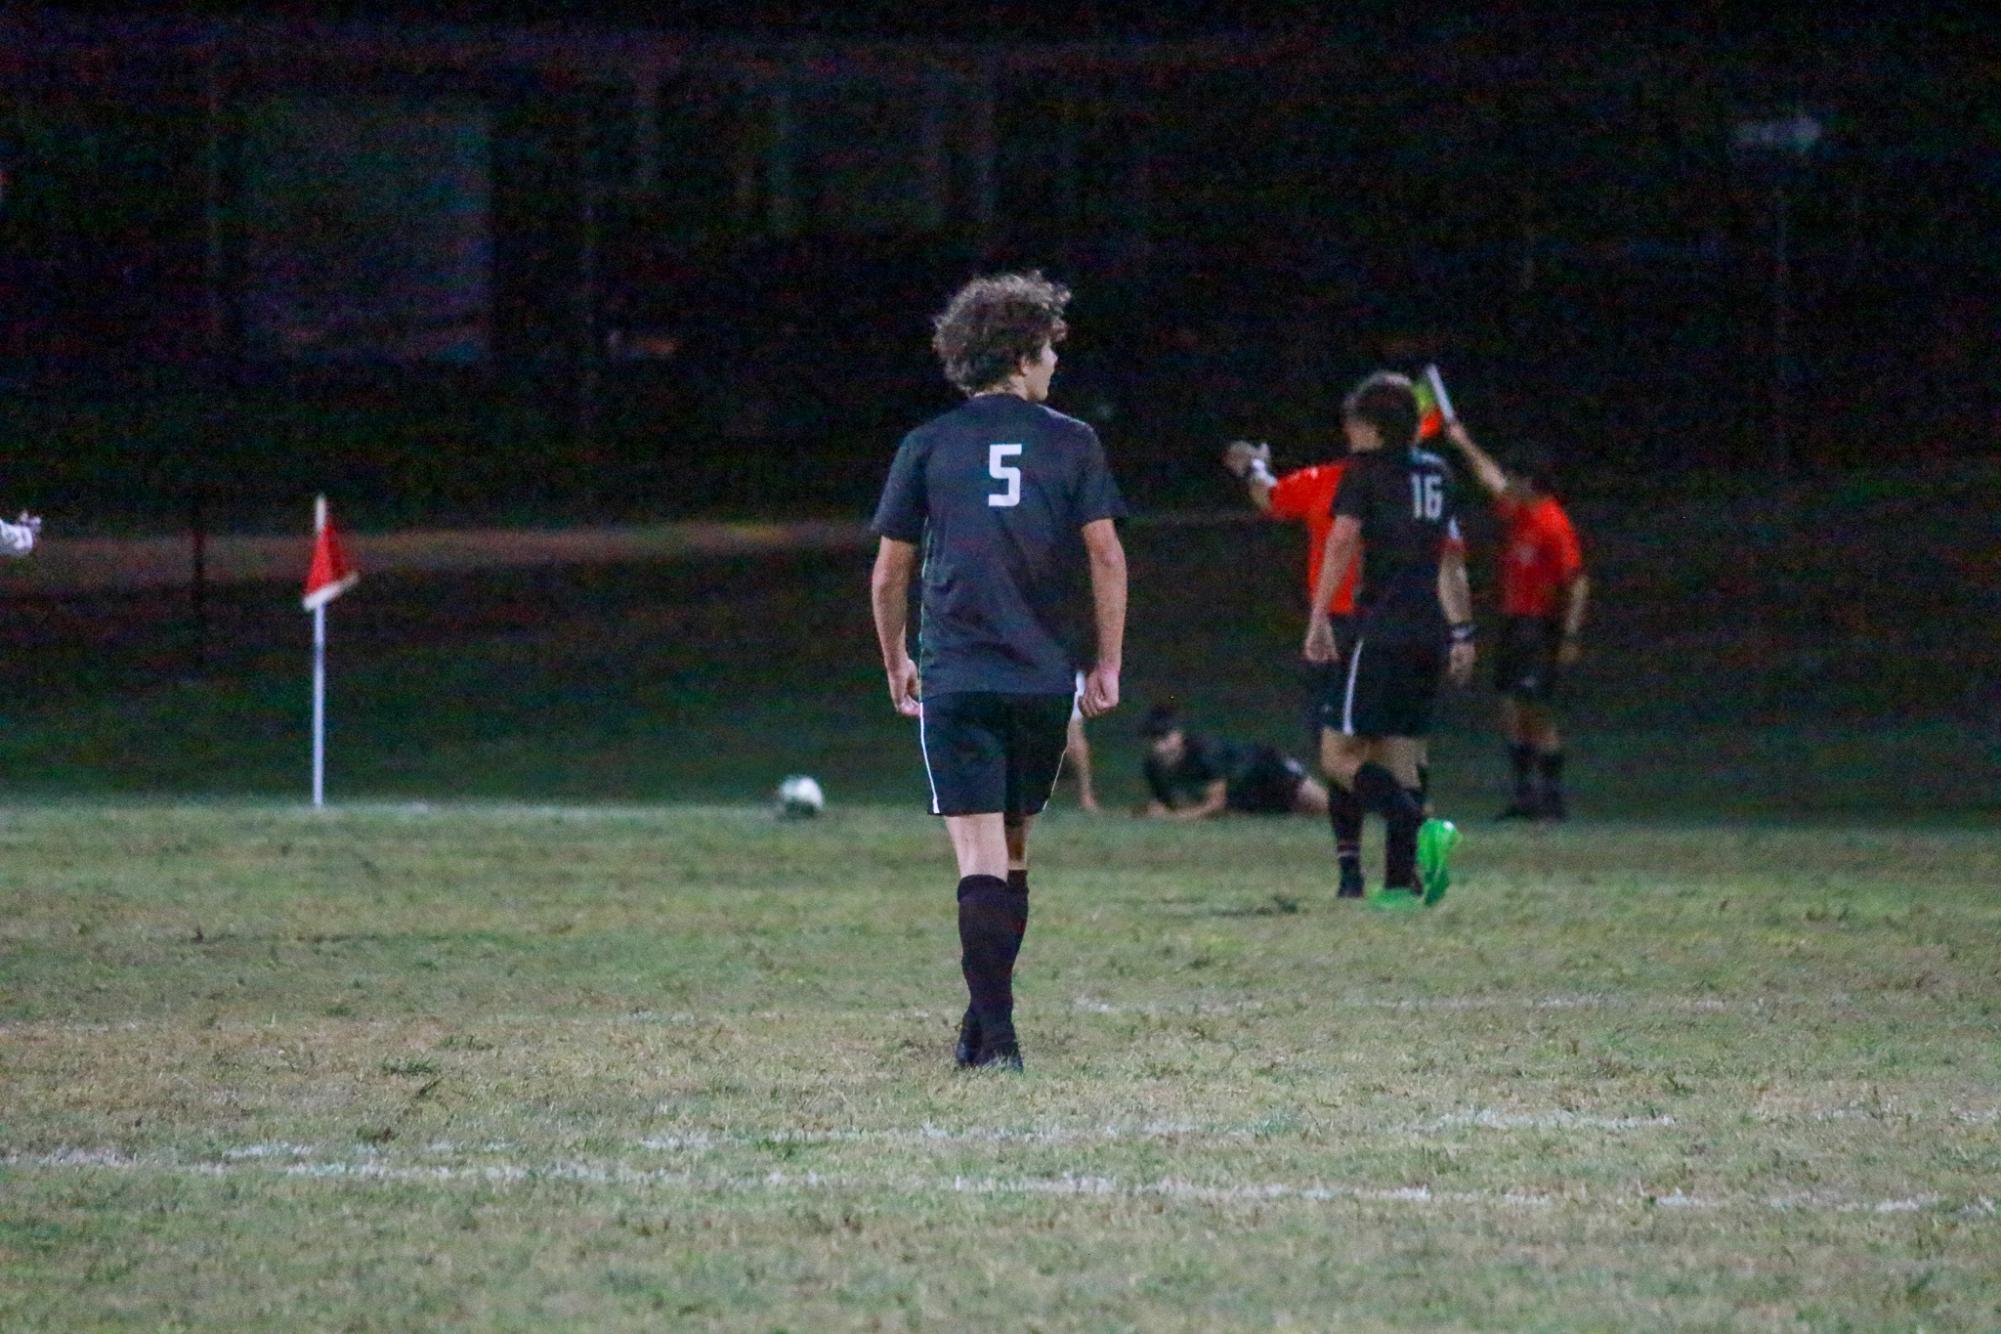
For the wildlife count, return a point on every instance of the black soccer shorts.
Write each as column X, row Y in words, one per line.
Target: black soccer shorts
column 987, row 752
column 1323, row 678
column 1267, row 785
column 1390, row 688
column 1525, row 665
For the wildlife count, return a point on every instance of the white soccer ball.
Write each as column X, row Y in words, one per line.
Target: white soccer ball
column 800, row 797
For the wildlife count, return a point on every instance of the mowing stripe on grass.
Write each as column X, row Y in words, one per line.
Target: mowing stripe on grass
column 584, row 1172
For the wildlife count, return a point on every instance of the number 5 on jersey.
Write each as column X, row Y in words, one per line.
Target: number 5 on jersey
column 1006, row 473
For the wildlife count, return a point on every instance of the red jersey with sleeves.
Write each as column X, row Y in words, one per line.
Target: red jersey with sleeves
column 1307, row 495
column 1539, row 558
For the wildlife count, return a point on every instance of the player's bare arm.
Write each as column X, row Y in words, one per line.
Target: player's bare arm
column 1455, row 597
column 19, row 537
column 1107, row 559
column 1344, row 542
column 889, row 595
column 1576, row 602
column 1250, row 463
column 1215, row 800
column 1488, row 473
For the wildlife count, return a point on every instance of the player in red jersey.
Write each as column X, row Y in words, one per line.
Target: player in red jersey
column 1306, row 495
column 1544, row 596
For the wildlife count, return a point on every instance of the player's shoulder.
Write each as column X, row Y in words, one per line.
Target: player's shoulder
column 1060, row 423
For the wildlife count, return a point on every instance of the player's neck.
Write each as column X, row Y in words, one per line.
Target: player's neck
column 1010, row 389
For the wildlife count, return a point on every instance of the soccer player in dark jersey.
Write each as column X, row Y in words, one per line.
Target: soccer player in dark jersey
column 1015, row 506
column 1306, row 495
column 1544, row 594
column 1394, row 506
column 1192, row 776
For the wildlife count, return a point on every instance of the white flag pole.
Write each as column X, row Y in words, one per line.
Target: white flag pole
column 319, row 674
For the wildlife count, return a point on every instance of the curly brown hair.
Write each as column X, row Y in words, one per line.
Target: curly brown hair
column 993, row 324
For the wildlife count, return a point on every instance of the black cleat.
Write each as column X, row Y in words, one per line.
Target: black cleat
column 1521, row 808
column 999, row 1056
column 1553, row 807
column 1351, row 883
column 967, row 1050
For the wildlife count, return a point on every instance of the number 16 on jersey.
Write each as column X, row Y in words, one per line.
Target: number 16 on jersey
column 1427, row 496
column 1005, row 473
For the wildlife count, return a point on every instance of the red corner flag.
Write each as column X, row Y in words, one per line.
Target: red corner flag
column 331, row 574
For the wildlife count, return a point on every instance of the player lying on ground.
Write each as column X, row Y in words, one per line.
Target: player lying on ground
column 1394, row 506
column 1544, row 595
column 19, row 538
column 1193, row 777
column 1016, row 505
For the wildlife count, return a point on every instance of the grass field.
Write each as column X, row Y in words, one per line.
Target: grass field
column 615, row 1067
column 549, row 1024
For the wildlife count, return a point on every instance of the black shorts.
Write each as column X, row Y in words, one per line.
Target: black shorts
column 1325, row 678
column 1525, row 665
column 1267, row 785
column 1389, row 688
column 986, row 752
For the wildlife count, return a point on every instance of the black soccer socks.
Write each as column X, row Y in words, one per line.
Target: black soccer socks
column 1521, row 759
column 1550, row 763
column 992, row 919
column 1344, row 813
column 1379, row 791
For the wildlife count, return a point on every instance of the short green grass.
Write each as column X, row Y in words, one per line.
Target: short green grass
column 508, row 1066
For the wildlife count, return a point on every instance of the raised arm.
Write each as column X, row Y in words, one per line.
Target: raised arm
column 889, row 596
column 1107, row 560
column 1251, row 464
column 1485, row 471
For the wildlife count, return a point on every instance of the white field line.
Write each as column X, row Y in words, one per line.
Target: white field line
column 1486, row 1118
column 374, row 1168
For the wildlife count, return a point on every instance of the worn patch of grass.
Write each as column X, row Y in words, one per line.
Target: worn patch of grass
column 633, row 1067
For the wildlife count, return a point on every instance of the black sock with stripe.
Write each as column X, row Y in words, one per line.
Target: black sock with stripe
column 1344, row 813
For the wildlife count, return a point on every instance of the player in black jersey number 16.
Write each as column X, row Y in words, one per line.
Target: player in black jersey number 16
column 1394, row 505
column 1015, row 509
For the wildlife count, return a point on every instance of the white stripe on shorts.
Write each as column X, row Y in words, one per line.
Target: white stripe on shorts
column 1348, row 700
column 925, row 751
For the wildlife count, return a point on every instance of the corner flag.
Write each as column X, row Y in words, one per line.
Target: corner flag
column 331, row 573
column 329, row 577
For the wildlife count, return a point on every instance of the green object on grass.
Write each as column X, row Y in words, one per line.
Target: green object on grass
column 1435, row 841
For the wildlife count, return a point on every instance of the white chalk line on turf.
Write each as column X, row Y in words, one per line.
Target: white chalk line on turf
column 585, row 1172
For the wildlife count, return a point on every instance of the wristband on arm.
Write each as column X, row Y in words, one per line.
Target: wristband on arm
column 1463, row 632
